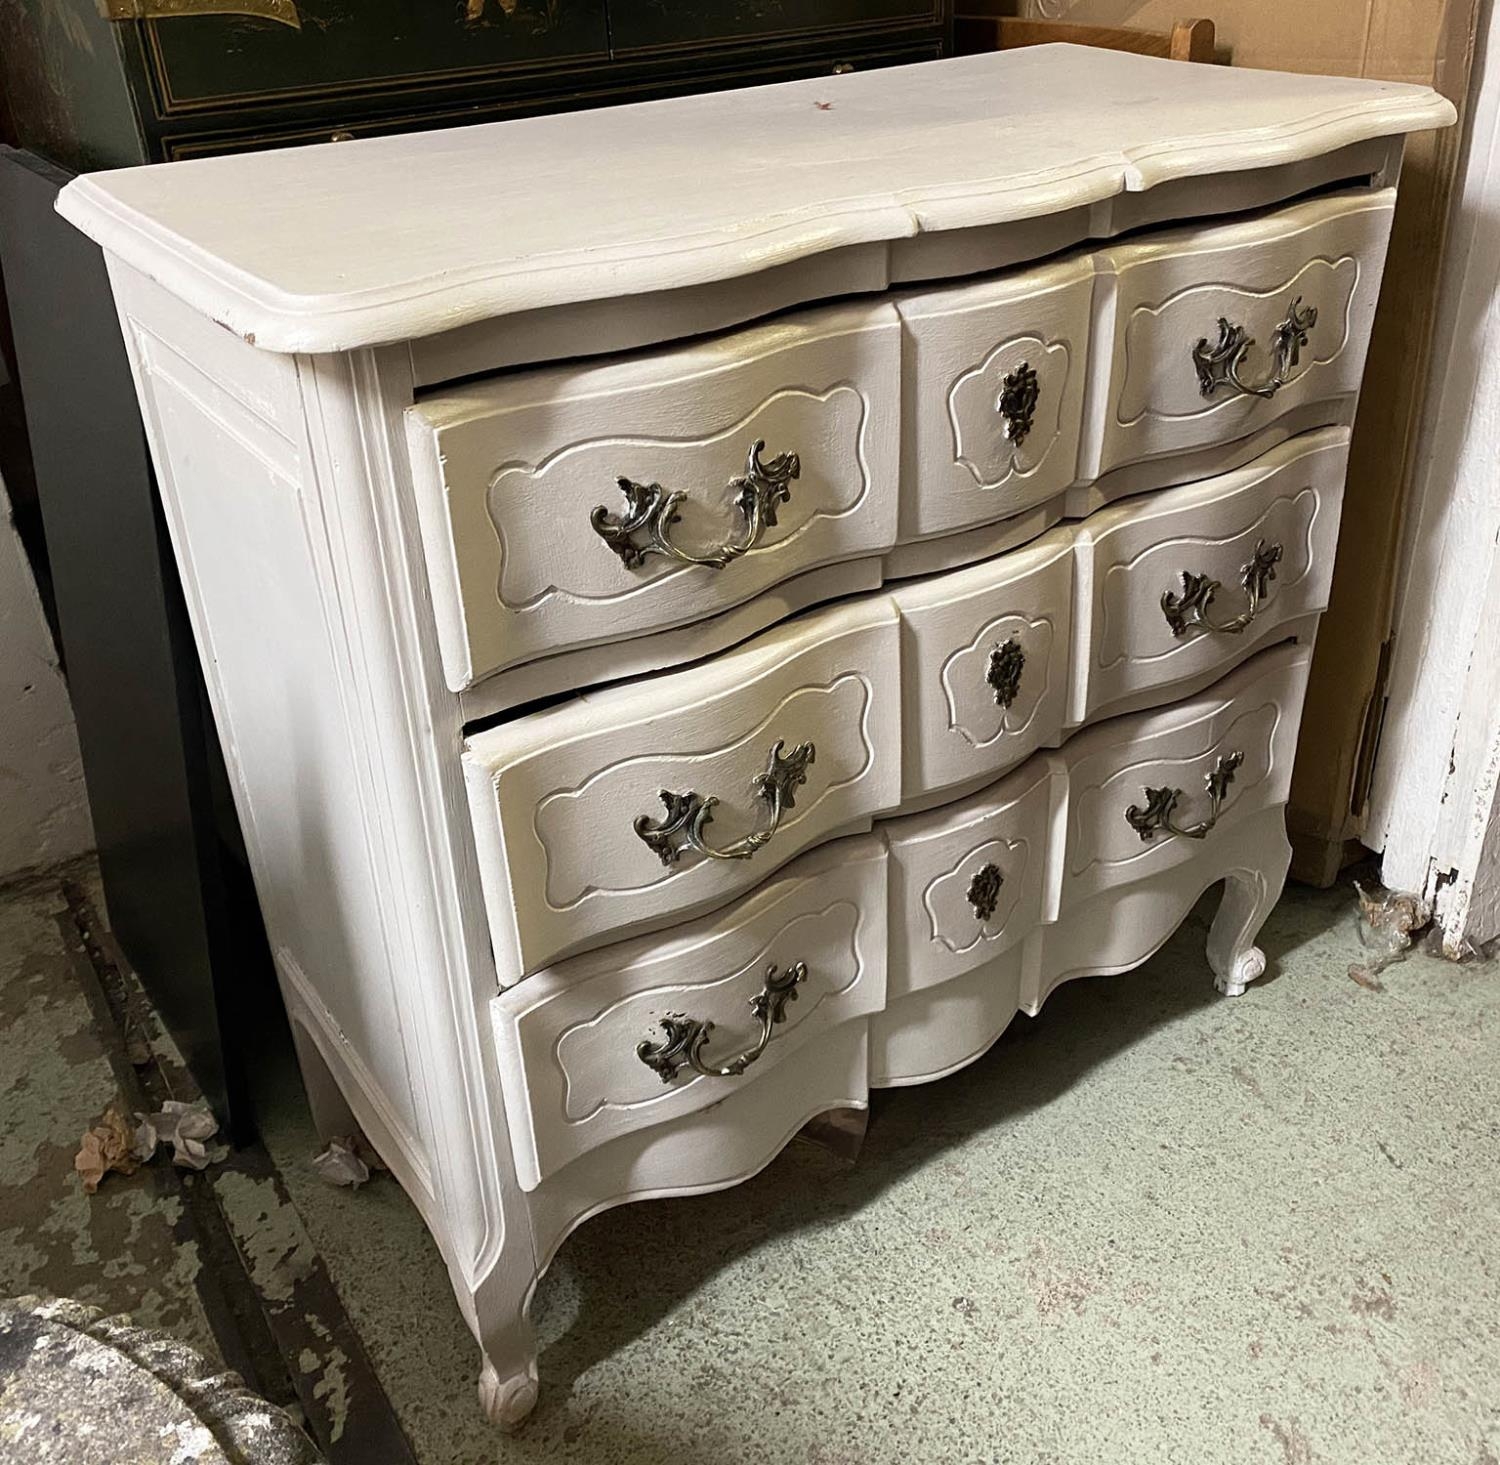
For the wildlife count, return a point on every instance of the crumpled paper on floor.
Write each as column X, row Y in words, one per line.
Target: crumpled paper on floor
column 113, row 1142
column 188, row 1128
column 105, row 1146
column 348, row 1160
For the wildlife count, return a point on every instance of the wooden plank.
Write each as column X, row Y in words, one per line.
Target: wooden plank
column 1016, row 32
column 982, row 25
column 1192, row 40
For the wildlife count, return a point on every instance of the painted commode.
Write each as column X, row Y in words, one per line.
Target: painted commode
column 714, row 606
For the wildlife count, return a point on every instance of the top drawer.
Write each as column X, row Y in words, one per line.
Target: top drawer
column 1219, row 331
column 591, row 502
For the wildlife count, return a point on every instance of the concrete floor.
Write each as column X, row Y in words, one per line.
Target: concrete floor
column 1151, row 1225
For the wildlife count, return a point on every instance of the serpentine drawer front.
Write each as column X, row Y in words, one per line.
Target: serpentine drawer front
column 994, row 387
column 1138, row 804
column 654, row 800
column 973, row 879
column 635, row 1035
column 592, row 502
column 986, row 657
column 715, row 605
column 1188, row 582
column 1220, row 330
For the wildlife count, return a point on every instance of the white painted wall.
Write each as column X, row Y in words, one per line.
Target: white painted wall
column 1435, row 802
column 44, row 813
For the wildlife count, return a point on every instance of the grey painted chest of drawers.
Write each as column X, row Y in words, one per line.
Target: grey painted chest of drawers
column 718, row 605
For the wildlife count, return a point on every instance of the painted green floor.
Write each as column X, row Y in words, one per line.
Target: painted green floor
column 1151, row 1225
column 120, row 1248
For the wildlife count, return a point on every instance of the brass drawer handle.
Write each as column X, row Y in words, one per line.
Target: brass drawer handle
column 1219, row 365
column 1190, row 610
column 687, row 1036
column 645, row 526
column 1161, row 804
column 687, row 814
column 1019, row 394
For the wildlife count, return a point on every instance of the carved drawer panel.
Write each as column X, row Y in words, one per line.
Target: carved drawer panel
column 970, row 880
column 1219, row 331
column 985, row 658
column 993, row 395
column 640, row 804
column 583, row 503
column 1150, row 792
column 1186, row 583
column 663, row 1026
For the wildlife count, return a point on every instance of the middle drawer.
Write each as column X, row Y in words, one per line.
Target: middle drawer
column 634, row 805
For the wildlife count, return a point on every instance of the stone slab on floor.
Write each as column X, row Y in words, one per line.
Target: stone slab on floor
column 218, row 1260
column 80, row 1388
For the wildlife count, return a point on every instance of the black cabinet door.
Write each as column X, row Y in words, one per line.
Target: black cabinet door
column 295, row 50
column 654, row 24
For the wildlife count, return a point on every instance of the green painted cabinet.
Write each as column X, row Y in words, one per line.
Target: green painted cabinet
column 95, row 83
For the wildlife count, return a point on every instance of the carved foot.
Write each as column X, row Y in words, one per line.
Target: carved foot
column 506, row 1402
column 1240, row 972
column 1249, row 894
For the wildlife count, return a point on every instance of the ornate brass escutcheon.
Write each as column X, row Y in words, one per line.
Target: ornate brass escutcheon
column 1003, row 671
column 984, row 890
column 1019, row 394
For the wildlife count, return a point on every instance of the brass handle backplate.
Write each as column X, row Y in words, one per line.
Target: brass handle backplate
column 688, row 814
column 1219, row 364
column 645, row 528
column 688, row 1036
column 1192, row 609
column 1156, row 817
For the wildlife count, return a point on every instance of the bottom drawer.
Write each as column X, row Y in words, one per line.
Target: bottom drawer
column 619, row 1040
column 1142, row 801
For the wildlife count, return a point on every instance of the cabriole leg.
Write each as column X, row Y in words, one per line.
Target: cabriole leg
column 1232, row 953
column 508, row 1378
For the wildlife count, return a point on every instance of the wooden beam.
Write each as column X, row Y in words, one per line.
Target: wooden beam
column 979, row 26
column 1192, row 40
